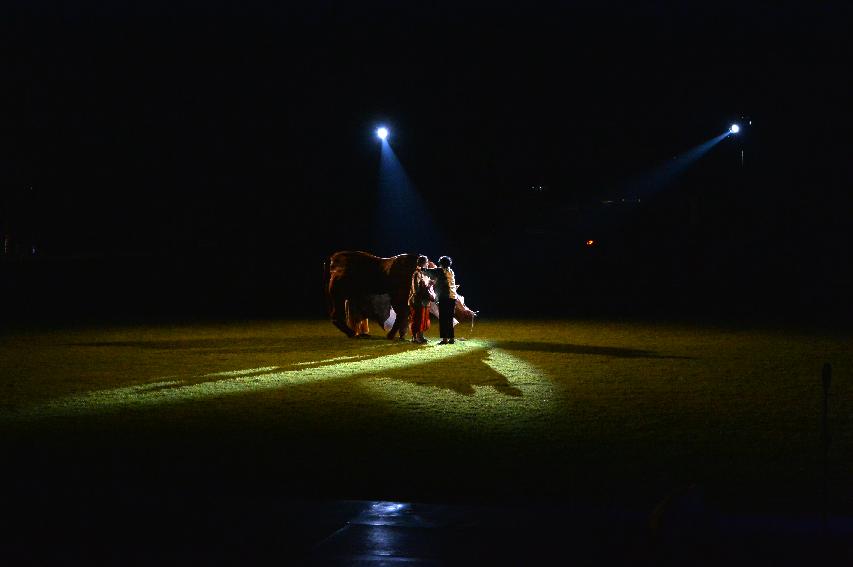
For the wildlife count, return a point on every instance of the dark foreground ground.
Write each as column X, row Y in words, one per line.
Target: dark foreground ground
column 218, row 513
column 218, row 504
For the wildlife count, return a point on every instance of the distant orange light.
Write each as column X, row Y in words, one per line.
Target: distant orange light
column 590, row 242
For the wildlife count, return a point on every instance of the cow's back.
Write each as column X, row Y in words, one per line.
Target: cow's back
column 359, row 273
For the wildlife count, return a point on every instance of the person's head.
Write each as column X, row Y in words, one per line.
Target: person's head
column 445, row 261
column 422, row 261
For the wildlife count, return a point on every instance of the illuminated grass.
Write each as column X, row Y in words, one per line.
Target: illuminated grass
column 253, row 380
column 558, row 407
column 517, row 387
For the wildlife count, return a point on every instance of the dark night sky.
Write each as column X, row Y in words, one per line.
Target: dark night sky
column 246, row 128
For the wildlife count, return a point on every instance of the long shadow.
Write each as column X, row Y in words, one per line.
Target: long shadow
column 485, row 376
column 563, row 348
column 226, row 344
column 227, row 376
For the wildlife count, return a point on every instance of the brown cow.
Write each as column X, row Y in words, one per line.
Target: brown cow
column 355, row 275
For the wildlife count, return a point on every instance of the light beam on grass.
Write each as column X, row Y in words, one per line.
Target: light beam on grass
column 536, row 392
column 243, row 372
column 247, row 381
column 337, row 358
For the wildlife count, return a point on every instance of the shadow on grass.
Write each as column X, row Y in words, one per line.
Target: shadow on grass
column 460, row 382
column 227, row 376
column 226, row 345
column 564, row 348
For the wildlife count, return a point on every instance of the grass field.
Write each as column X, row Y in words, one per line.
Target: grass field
column 549, row 411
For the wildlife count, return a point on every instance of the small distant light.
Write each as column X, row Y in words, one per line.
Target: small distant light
column 382, row 133
column 734, row 129
column 590, row 242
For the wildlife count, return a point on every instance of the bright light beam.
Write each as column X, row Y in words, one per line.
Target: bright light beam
column 382, row 133
column 236, row 382
column 671, row 169
column 403, row 220
column 734, row 129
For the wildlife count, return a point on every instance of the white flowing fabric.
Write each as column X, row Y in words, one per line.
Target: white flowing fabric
column 390, row 321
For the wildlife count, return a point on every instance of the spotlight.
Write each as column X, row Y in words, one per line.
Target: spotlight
column 382, row 133
column 734, row 129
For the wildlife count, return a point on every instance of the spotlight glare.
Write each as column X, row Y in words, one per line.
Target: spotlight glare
column 382, row 133
column 734, row 129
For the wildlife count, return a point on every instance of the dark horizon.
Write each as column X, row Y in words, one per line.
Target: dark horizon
column 168, row 138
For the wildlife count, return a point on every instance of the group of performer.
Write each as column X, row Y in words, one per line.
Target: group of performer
column 437, row 285
column 430, row 286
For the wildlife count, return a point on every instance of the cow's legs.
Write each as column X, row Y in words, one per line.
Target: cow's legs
column 338, row 312
column 401, row 323
column 339, row 319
